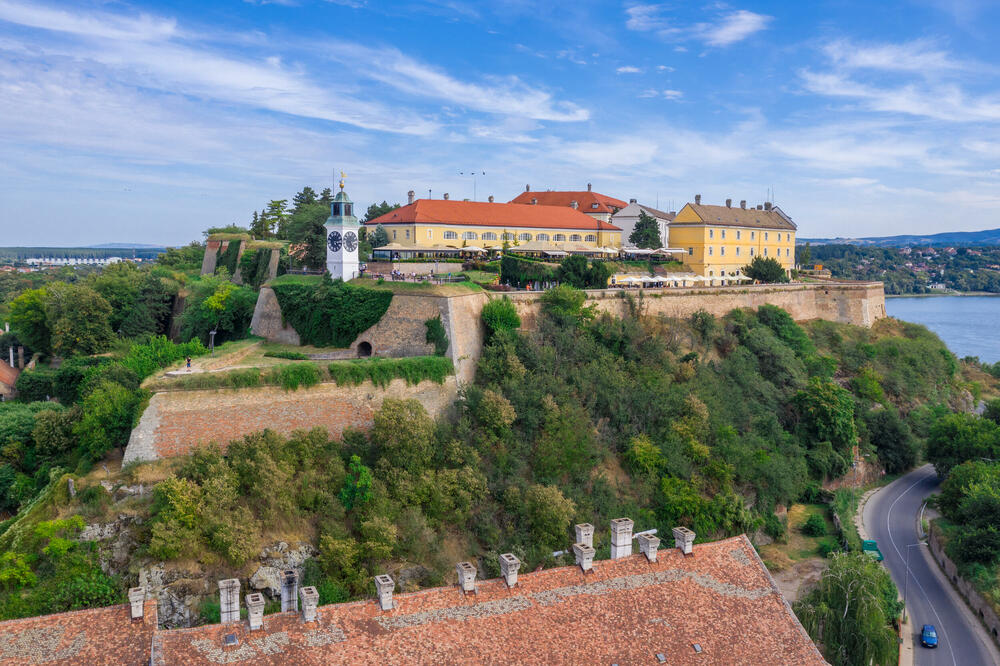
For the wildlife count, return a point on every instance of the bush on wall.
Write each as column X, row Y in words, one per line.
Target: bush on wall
column 330, row 314
column 436, row 335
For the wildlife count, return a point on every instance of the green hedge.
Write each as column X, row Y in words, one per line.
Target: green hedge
column 382, row 371
column 330, row 314
column 228, row 258
column 516, row 271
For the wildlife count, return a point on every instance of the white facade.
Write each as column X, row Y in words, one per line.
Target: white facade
column 342, row 238
column 628, row 216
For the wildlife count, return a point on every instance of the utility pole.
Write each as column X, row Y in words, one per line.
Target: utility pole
column 473, row 174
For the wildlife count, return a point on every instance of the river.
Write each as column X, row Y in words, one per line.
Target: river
column 969, row 325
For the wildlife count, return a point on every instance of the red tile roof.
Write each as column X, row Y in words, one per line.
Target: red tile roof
column 500, row 215
column 626, row 611
column 585, row 200
column 8, row 375
column 95, row 636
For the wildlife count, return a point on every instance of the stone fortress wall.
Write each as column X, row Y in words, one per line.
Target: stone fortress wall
column 176, row 421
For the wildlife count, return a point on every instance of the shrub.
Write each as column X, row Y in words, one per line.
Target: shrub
column 436, row 335
column 381, row 371
column 159, row 352
column 814, row 526
column 499, row 314
column 330, row 314
column 765, row 269
column 35, row 385
column 290, row 355
column 294, row 375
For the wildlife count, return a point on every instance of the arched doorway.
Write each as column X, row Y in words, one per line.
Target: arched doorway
column 364, row 349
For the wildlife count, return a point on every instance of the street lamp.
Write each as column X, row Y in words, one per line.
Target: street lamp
column 211, row 341
column 473, row 174
column 906, row 578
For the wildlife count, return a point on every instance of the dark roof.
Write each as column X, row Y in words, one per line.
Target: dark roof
column 740, row 217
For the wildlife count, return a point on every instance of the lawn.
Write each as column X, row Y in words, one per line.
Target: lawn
column 797, row 546
column 449, row 289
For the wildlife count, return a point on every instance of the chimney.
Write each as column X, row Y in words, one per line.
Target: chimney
column 631, row 201
column 229, row 600
column 255, row 610
column 534, row 201
column 760, row 207
column 508, row 568
column 527, row 188
column 585, row 534
column 11, row 350
column 697, row 199
column 289, row 591
column 409, row 197
column 310, row 599
column 648, row 543
column 446, row 196
column 20, row 357
column 729, row 203
column 491, row 198
column 621, row 538
column 584, row 556
column 136, row 599
column 384, row 586
column 683, row 539
column 574, row 204
column 589, row 188
column 743, row 204
column 466, row 576
column 767, row 205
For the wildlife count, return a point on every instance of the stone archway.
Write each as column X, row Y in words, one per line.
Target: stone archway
column 364, row 349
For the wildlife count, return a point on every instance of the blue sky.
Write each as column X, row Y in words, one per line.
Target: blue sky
column 148, row 122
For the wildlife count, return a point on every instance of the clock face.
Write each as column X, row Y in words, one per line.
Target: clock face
column 334, row 240
column 350, row 241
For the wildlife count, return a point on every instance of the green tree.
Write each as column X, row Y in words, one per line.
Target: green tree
column 109, row 414
column 357, row 488
column 307, row 197
column 27, row 314
column 403, row 434
column 547, row 513
column 79, row 319
column 955, row 438
column 378, row 210
column 500, row 314
column 894, row 442
column 380, row 237
column 276, row 217
column 646, row 233
column 765, row 269
column 306, row 226
column 850, row 613
column 805, row 255
column 826, row 414
column 326, row 197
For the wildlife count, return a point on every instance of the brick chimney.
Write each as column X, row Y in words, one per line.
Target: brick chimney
column 409, row 197
column 574, row 204
column 491, row 198
column 509, row 565
column 534, row 201
column 310, row 599
column 743, row 204
column 683, row 539
column 255, row 610
column 621, row 538
column 648, row 543
column 527, row 188
column 466, row 576
column 631, row 201
column 589, row 187
column 384, row 586
column 446, row 196
column 136, row 599
column 584, row 556
column 767, row 205
column 760, row 207
column 289, row 591
column 584, row 534
column 729, row 203
column 697, row 199
column 229, row 600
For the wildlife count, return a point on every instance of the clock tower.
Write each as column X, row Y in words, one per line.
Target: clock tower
column 342, row 237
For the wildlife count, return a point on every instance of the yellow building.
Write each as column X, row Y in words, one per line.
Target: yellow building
column 721, row 240
column 428, row 226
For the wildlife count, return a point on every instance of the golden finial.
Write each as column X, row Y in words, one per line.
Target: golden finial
column 342, row 176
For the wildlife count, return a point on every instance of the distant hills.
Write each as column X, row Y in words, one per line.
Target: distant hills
column 126, row 246
column 986, row 237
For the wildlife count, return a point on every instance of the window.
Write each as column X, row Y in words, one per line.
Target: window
column 723, row 234
column 450, row 235
column 407, row 233
column 690, row 251
column 393, row 234
column 574, row 237
column 737, row 252
column 469, row 235
column 710, row 250
column 591, row 238
column 541, row 237
column 524, row 237
column 753, row 235
column 489, row 235
column 508, row 236
column 430, row 233
column 765, row 251
column 711, row 233
column 765, row 235
column 594, row 205
column 788, row 252
column 722, row 251
column 559, row 237
column 737, row 234
column 751, row 252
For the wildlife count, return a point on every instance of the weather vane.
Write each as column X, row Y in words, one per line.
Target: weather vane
column 342, row 176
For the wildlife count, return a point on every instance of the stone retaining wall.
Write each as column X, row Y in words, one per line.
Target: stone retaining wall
column 177, row 421
column 983, row 610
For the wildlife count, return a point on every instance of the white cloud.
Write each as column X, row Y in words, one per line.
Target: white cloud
column 918, row 56
column 726, row 28
column 672, row 94
column 628, row 69
column 100, row 25
column 664, row 68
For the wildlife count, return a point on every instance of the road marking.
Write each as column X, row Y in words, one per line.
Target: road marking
column 888, row 526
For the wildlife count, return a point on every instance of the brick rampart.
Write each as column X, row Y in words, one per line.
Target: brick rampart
column 177, row 421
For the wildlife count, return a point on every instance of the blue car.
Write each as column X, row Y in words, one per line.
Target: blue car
column 928, row 636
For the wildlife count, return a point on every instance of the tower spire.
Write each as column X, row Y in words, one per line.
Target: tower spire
column 342, row 176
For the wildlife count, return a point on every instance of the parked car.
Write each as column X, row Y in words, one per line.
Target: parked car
column 928, row 636
column 871, row 548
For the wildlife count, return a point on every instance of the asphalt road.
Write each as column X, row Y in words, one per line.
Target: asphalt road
column 891, row 517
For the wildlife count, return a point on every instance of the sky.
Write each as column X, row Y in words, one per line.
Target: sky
column 148, row 122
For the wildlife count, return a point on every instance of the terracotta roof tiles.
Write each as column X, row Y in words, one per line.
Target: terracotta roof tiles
column 585, row 200
column 499, row 215
column 740, row 217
